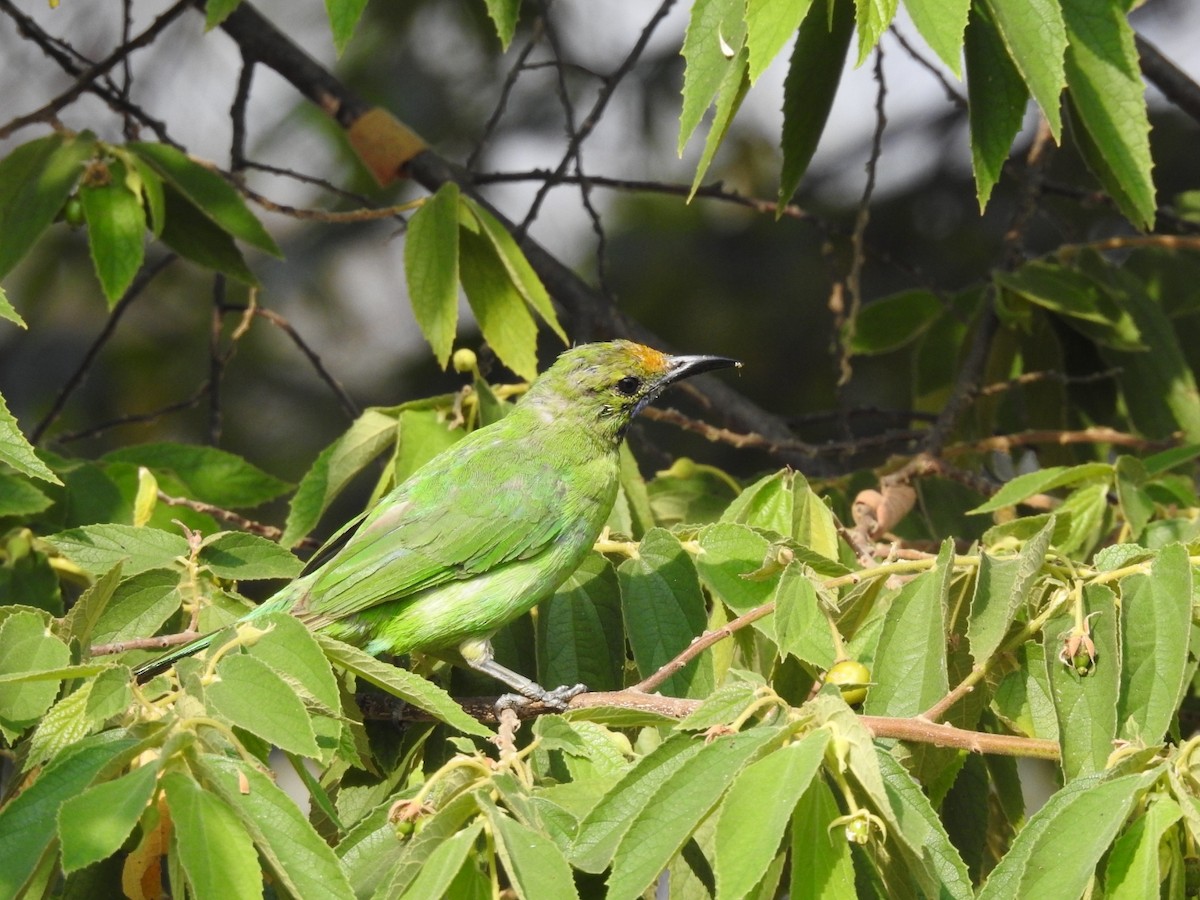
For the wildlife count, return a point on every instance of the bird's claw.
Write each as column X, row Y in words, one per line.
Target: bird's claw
column 556, row 699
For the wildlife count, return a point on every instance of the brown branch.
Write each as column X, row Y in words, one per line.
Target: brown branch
column 160, row 642
column 1004, row 443
column 270, row 532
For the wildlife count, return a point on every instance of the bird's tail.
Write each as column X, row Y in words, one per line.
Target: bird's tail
column 280, row 602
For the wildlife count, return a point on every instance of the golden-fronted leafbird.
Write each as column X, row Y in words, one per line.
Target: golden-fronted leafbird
column 491, row 526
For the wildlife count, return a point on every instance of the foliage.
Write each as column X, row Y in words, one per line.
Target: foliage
column 725, row 623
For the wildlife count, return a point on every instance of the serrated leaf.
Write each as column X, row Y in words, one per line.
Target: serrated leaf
column 116, row 228
column 431, row 251
column 81, row 620
column 1056, row 853
column 501, row 311
column 20, row 498
column 504, row 15
column 534, row 865
column 873, row 18
column 811, row 84
column 716, row 32
column 828, row 870
column 1002, row 588
column 402, row 683
column 664, row 611
column 422, row 435
column 301, row 860
column 1086, row 706
column 27, row 822
column 293, row 653
column 65, row 723
column 730, row 94
column 769, row 25
column 247, row 557
column 217, row 11
column 214, row 849
column 1035, row 35
column 439, row 870
column 94, row 824
column 1108, row 100
column 35, row 180
column 757, row 809
column 437, row 829
column 138, row 607
column 250, row 694
column 579, row 630
column 1134, row 870
column 28, row 647
column 208, row 192
column 1086, row 302
column 192, row 235
column 7, row 311
column 344, row 16
column 18, row 452
column 97, row 548
column 910, row 668
column 889, row 323
column 673, row 812
column 1155, row 627
column 941, row 23
column 368, row 436
column 520, row 272
column 1137, row 506
column 801, row 628
column 213, row 475
column 996, row 100
column 1025, row 486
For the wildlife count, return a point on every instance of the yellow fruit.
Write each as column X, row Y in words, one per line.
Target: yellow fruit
column 852, row 677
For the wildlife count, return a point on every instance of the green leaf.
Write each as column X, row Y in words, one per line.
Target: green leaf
column 116, row 229
column 1025, row 486
column 1108, row 100
column 664, row 611
column 97, row 548
column 1086, row 302
column 603, row 828
column 250, row 694
column 137, row 608
column 294, row 654
column 20, row 498
column 217, row 11
column 941, row 23
column 215, row 476
column 7, row 311
column 929, row 859
column 757, row 809
column 437, row 872
column 996, row 100
column 214, row 849
column 801, row 628
column 436, row 830
column 423, row 434
column 28, row 647
column 344, row 16
column 1002, row 588
column 501, row 311
column 1155, row 627
column 520, row 272
column 873, row 17
column 27, row 822
column 401, row 683
column 579, row 633
column 1133, row 869
column 64, row 724
column 369, row 435
column 1055, row 855
column 35, row 180
column 910, row 668
column 1086, row 706
column 431, row 267
column 716, row 32
column 1022, row 699
column 208, row 192
column 192, row 235
column 504, row 14
column 18, row 452
column 299, row 858
column 729, row 552
column 1137, row 506
column 94, row 824
column 535, row 866
column 247, row 557
column 769, row 25
column 892, row 322
column 1035, row 35
column 81, row 621
column 668, row 817
column 730, row 94
column 827, row 872
column 811, row 84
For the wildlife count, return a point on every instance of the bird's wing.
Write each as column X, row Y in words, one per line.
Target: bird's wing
column 465, row 513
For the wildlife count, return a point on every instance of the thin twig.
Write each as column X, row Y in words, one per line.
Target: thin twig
column 161, row 642
column 347, row 402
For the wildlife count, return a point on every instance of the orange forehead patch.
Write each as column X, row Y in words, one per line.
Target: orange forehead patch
column 648, row 358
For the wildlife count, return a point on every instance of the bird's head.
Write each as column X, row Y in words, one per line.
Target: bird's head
column 607, row 384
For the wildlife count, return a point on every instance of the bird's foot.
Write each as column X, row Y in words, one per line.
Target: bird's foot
column 557, row 698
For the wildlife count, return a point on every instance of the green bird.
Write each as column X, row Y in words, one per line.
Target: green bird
column 489, row 527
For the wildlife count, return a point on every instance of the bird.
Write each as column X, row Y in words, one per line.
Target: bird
column 488, row 528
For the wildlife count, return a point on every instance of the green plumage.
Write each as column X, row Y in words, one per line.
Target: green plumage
column 485, row 530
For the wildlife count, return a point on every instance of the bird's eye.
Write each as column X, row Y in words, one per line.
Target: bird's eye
column 629, row 385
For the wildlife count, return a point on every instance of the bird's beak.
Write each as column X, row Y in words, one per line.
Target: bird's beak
column 680, row 367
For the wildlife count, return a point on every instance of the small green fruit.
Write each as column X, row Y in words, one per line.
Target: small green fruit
column 852, row 677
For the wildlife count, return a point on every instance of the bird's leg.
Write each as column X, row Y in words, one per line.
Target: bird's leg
column 478, row 655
